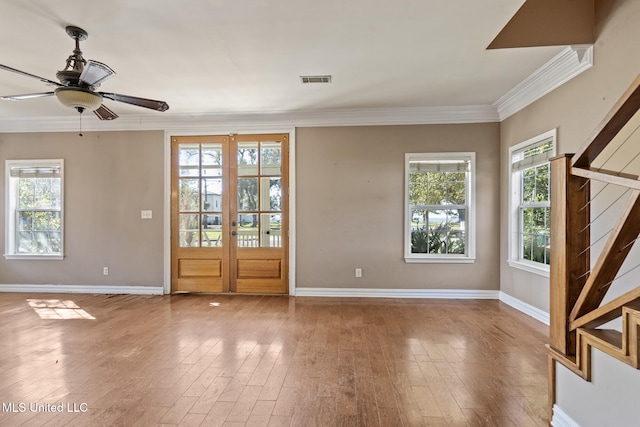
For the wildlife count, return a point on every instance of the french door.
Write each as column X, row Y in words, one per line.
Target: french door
column 229, row 213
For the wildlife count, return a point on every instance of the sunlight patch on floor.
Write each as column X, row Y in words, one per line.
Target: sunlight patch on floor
column 58, row 309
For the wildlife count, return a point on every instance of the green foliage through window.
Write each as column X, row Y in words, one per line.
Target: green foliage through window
column 438, row 196
column 34, row 223
column 535, row 214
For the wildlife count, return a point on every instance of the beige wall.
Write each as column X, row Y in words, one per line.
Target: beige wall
column 576, row 109
column 350, row 206
column 109, row 178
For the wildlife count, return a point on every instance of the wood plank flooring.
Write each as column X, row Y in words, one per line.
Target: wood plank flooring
column 222, row 360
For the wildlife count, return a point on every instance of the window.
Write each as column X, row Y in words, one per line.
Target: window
column 439, row 207
column 34, row 209
column 530, row 227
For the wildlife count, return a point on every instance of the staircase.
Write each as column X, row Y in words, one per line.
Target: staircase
column 579, row 284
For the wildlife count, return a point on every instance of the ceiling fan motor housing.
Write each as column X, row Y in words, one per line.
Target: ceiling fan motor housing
column 70, row 75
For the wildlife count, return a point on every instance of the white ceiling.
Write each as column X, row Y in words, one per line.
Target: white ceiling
column 241, row 56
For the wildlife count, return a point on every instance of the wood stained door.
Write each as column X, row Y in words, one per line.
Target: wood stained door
column 229, row 206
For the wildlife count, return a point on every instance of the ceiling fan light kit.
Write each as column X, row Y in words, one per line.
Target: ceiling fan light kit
column 79, row 81
column 80, row 99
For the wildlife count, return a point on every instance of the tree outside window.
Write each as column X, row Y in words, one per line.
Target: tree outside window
column 529, row 220
column 535, row 214
column 438, row 205
column 34, row 209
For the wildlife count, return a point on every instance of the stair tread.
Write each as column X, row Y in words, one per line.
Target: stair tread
column 608, row 336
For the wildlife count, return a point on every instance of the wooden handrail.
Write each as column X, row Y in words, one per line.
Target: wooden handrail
column 618, row 116
column 609, row 177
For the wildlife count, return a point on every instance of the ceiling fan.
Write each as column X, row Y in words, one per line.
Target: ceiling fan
column 78, row 83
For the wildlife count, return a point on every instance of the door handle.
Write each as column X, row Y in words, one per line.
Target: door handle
column 233, row 233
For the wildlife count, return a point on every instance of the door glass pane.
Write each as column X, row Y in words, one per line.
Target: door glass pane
column 270, row 158
column 212, row 159
column 212, row 195
column 247, row 194
column 211, row 230
column 189, row 199
column 247, row 230
column 189, row 159
column 188, row 230
column 271, row 230
column 270, row 194
column 247, row 158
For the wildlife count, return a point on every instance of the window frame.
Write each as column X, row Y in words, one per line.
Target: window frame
column 11, row 208
column 469, row 206
column 516, row 204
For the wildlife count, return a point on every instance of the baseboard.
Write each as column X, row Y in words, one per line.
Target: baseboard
column 397, row 293
column 82, row 289
column 536, row 313
column 561, row 419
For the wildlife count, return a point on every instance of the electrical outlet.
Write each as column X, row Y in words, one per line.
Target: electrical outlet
column 105, row 271
column 358, row 272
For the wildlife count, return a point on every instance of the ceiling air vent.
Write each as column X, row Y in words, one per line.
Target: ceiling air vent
column 315, row 79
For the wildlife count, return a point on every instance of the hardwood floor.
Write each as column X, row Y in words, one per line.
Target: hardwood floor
column 221, row 360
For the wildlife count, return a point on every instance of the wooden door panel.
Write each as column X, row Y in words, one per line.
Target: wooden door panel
column 229, row 213
column 260, row 203
column 199, row 193
column 199, row 268
column 259, row 268
column 261, row 286
column 199, row 285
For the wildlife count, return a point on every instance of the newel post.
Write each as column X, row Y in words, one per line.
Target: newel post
column 570, row 240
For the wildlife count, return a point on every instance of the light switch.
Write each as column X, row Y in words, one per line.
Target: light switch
column 146, row 214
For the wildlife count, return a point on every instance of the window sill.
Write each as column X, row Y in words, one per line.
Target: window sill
column 531, row 267
column 34, row 257
column 460, row 260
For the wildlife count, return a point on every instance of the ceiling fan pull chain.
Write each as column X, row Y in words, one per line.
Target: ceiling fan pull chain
column 80, row 114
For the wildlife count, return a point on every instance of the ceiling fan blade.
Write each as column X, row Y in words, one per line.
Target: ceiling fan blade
column 26, row 96
column 104, row 113
column 140, row 102
column 95, row 73
column 33, row 76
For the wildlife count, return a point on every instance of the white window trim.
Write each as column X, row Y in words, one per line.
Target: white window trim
column 10, row 202
column 470, row 256
column 515, row 189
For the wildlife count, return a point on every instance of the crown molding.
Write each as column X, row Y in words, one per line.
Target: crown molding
column 563, row 67
column 569, row 63
column 259, row 120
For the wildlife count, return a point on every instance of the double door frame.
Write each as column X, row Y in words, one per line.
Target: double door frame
column 167, row 199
